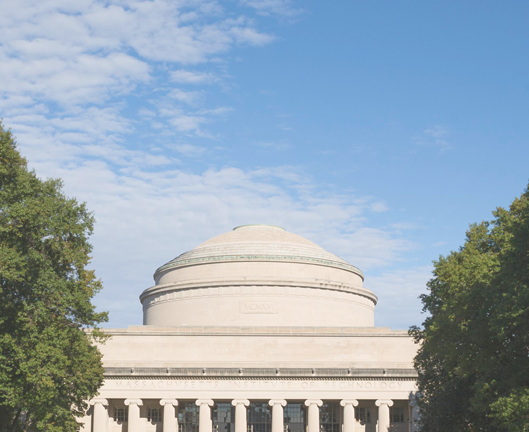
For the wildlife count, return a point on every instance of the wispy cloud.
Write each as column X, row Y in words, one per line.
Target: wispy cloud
column 283, row 8
column 434, row 136
column 189, row 150
column 273, row 145
column 183, row 76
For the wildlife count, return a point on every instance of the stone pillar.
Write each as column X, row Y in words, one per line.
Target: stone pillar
column 349, row 414
column 100, row 414
column 414, row 416
column 205, row 424
column 170, row 420
column 383, row 414
column 313, row 414
column 240, row 414
column 277, row 414
column 134, row 414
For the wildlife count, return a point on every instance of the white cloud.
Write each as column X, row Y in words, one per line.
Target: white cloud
column 249, row 35
column 436, row 131
column 183, row 76
column 87, row 51
column 434, row 136
column 189, row 150
column 275, row 145
column 219, row 111
column 188, row 97
column 398, row 293
column 278, row 7
column 189, row 124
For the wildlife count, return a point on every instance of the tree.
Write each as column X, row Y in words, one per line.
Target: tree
column 473, row 360
column 49, row 363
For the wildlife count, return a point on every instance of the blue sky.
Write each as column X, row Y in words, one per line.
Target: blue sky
column 378, row 129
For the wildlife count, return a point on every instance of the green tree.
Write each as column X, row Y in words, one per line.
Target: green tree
column 49, row 363
column 473, row 359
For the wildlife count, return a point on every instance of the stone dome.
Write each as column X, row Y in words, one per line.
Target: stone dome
column 258, row 275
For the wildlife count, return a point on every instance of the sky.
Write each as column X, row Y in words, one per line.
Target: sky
column 377, row 129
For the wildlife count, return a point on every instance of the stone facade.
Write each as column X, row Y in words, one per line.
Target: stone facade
column 256, row 330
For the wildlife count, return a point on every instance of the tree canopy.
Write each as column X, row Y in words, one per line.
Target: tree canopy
column 49, row 363
column 473, row 360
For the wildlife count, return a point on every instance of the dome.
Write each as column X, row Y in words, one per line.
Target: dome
column 258, row 275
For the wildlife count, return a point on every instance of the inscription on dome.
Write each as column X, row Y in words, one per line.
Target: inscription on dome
column 258, row 307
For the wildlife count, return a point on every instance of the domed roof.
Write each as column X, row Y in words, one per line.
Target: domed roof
column 258, row 243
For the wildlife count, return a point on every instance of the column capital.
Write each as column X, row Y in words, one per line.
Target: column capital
column 138, row 402
column 318, row 402
column 204, row 402
column 101, row 401
column 352, row 402
column 387, row 402
column 281, row 402
column 172, row 402
column 244, row 402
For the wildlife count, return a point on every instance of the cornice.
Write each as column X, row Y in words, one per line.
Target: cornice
column 260, row 373
column 265, row 282
column 176, row 263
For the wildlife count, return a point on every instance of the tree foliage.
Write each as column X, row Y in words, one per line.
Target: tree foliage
column 49, row 364
column 473, row 360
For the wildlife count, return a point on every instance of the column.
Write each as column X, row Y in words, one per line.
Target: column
column 349, row 414
column 383, row 414
column 313, row 414
column 134, row 414
column 414, row 415
column 100, row 414
column 205, row 424
column 240, row 414
column 170, row 420
column 277, row 414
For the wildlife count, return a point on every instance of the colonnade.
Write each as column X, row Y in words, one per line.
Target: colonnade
column 170, row 419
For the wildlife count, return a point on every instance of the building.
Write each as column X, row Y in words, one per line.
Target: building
column 256, row 330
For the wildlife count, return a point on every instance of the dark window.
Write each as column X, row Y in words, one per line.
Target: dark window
column 396, row 415
column 259, row 417
column 363, row 414
column 330, row 417
column 121, row 415
column 187, row 417
column 223, row 417
column 294, row 417
column 155, row 415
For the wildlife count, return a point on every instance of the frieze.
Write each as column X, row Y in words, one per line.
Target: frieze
column 255, row 384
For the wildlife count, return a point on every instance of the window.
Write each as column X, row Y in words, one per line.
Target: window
column 396, row 415
column 223, row 417
column 330, row 417
column 363, row 415
column 259, row 417
column 155, row 415
column 294, row 417
column 121, row 415
column 188, row 417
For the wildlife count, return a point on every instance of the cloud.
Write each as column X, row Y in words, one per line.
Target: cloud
column 278, row 7
column 398, row 293
column 189, row 150
column 189, row 124
column 434, row 136
column 188, row 97
column 192, row 77
column 284, row 127
column 88, row 51
column 436, row 131
column 274, row 145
